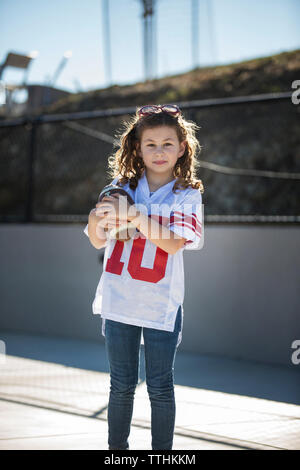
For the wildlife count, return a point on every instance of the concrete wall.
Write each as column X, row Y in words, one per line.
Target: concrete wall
column 241, row 297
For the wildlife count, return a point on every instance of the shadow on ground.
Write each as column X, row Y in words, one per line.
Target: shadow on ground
column 240, row 377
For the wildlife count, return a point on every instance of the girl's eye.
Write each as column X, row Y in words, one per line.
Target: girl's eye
column 151, row 145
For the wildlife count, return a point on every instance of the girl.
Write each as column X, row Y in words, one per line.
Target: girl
column 141, row 289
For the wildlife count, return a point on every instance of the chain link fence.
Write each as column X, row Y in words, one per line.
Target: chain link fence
column 54, row 166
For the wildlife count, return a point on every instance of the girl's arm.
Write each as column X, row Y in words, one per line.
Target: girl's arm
column 97, row 235
column 158, row 234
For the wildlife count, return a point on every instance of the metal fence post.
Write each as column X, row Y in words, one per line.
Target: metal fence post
column 31, row 159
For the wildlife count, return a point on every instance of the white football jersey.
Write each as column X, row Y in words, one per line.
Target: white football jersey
column 141, row 284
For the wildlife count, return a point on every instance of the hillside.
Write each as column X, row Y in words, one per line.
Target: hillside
column 263, row 75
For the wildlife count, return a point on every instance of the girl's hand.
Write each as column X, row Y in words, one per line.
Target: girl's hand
column 105, row 220
column 115, row 207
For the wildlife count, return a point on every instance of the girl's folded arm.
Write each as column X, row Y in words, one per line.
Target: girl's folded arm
column 158, row 234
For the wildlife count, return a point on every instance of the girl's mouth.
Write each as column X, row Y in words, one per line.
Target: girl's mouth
column 160, row 162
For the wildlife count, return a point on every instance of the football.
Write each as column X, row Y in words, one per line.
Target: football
column 126, row 231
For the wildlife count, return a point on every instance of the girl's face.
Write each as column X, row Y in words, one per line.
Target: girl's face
column 160, row 149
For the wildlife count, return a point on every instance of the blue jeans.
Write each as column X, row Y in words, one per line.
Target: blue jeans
column 122, row 342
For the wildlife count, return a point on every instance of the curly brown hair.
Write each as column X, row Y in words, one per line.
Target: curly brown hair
column 128, row 165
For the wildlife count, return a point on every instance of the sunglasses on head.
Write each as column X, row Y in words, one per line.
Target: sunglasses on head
column 154, row 109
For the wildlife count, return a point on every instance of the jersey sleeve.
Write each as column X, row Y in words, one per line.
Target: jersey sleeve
column 186, row 221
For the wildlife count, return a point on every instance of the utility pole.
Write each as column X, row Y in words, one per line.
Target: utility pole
column 195, row 33
column 211, row 29
column 149, row 39
column 106, row 41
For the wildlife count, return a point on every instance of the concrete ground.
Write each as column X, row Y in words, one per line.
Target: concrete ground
column 54, row 395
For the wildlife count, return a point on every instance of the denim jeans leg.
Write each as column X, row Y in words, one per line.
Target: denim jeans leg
column 122, row 344
column 160, row 351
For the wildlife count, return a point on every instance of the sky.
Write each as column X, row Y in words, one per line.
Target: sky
column 235, row 30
